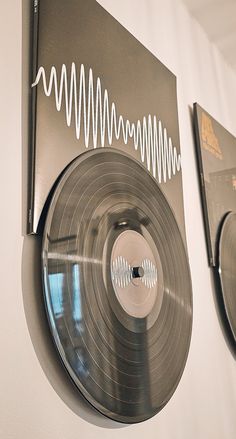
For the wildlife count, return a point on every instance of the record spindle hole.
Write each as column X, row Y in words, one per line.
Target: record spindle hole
column 137, row 272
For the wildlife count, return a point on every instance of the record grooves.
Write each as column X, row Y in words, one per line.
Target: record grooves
column 117, row 285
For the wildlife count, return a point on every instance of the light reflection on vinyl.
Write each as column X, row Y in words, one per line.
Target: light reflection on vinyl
column 227, row 271
column 117, row 285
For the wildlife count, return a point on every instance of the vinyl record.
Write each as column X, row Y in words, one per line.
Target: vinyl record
column 227, row 268
column 117, row 285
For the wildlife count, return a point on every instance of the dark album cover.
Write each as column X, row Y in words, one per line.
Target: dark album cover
column 216, row 149
column 94, row 85
column 106, row 196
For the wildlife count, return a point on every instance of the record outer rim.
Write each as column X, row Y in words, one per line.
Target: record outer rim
column 226, row 220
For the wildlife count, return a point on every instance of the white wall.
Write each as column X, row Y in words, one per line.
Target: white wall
column 36, row 399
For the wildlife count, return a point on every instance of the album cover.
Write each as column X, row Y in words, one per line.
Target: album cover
column 216, row 151
column 93, row 86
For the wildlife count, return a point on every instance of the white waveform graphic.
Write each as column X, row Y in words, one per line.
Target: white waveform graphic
column 122, row 274
column 88, row 105
column 150, row 273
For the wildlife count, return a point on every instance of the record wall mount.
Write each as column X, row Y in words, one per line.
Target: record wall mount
column 105, row 180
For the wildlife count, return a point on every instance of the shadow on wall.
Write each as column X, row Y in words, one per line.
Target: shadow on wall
column 42, row 340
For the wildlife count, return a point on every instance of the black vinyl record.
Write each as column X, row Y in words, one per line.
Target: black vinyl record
column 117, row 285
column 227, row 268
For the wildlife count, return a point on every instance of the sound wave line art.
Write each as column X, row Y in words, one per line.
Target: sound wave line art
column 88, row 105
column 121, row 272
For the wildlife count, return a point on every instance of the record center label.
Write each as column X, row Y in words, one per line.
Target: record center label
column 134, row 274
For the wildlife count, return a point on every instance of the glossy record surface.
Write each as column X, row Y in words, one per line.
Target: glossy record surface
column 227, row 268
column 127, row 367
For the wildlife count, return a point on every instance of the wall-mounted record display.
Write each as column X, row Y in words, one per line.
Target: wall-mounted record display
column 106, row 194
column 216, row 151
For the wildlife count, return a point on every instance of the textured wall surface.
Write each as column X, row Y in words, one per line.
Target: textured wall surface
column 36, row 399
